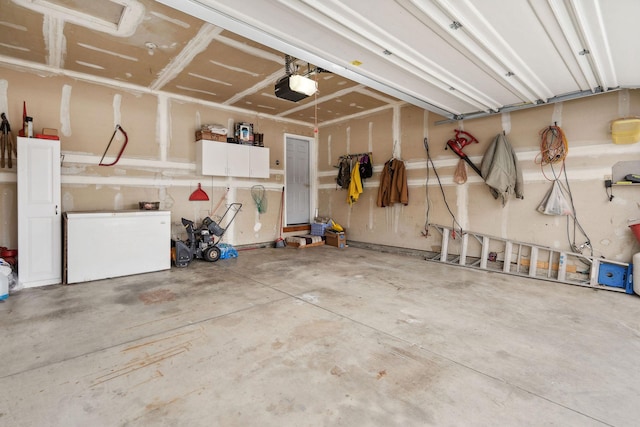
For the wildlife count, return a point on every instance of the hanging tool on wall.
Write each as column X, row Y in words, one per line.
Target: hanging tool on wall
column 454, row 232
column 461, row 140
column 124, row 145
column 554, row 148
column 280, row 242
column 6, row 142
column 257, row 193
column 224, row 196
column 199, row 194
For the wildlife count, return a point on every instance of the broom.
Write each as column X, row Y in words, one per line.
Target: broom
column 280, row 242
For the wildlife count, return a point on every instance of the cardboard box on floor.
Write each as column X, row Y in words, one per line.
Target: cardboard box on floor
column 333, row 238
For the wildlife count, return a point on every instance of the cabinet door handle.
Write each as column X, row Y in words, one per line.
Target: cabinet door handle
column 56, row 209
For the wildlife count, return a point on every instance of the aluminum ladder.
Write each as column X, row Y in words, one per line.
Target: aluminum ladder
column 531, row 260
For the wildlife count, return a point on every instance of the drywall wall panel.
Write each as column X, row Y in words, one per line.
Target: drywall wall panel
column 95, row 110
column 84, row 114
column 105, row 197
column 144, row 175
column 185, row 119
column 370, row 133
column 589, row 122
column 250, row 226
column 358, row 134
column 591, row 156
column 274, row 132
column 40, row 93
column 158, row 163
column 412, row 132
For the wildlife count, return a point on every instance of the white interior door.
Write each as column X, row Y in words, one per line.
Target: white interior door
column 39, row 219
column 297, row 184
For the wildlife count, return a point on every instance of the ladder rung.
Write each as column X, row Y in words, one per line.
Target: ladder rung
column 593, row 272
column 562, row 267
column 533, row 262
column 463, row 249
column 508, row 248
column 484, row 254
column 444, row 252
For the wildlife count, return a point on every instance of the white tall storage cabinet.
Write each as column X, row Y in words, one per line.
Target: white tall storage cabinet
column 39, row 216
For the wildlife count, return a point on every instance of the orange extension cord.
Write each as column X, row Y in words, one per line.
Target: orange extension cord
column 553, row 148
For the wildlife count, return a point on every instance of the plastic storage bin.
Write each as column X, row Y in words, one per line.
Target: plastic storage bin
column 317, row 229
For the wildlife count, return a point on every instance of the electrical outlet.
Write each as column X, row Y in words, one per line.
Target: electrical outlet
column 607, row 183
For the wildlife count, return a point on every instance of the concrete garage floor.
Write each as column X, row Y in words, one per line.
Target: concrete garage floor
column 319, row 337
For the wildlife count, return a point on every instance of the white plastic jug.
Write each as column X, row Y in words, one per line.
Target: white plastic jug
column 4, row 281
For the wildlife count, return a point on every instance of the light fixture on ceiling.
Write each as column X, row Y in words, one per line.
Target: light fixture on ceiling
column 151, row 47
column 294, row 87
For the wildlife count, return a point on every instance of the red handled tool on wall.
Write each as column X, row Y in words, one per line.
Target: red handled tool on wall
column 461, row 140
column 124, row 145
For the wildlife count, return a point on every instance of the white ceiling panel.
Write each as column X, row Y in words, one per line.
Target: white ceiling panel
column 621, row 24
column 461, row 56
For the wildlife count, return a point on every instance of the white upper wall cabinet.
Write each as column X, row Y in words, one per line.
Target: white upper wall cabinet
column 238, row 160
column 211, row 158
column 224, row 159
column 259, row 162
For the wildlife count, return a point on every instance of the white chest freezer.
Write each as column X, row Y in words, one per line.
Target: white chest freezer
column 100, row 245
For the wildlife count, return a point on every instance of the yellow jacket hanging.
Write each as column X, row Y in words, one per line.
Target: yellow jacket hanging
column 355, row 186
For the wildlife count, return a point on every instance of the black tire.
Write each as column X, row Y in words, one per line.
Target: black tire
column 212, row 254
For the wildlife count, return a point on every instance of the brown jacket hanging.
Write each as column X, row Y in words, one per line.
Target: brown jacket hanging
column 393, row 184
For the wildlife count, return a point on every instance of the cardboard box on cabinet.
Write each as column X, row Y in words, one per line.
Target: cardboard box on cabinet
column 210, row 136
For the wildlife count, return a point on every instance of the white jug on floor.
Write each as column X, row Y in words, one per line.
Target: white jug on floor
column 5, row 271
